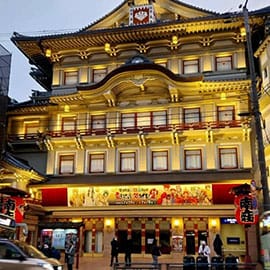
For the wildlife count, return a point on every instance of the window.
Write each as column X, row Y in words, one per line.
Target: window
column 66, row 164
column 223, row 63
column 70, row 77
column 192, row 115
column 99, row 74
column 190, row 66
column 127, row 162
column 159, row 118
column 96, row 163
column 68, row 124
column 193, row 159
column 128, row 120
column 159, row 160
column 31, row 127
column 144, row 119
column 98, row 122
column 228, row 158
column 225, row 113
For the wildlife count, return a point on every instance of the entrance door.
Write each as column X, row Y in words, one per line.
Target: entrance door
column 150, row 235
column 136, row 236
column 88, row 241
column 190, row 243
column 122, row 238
column 164, row 238
column 202, row 236
column 99, row 242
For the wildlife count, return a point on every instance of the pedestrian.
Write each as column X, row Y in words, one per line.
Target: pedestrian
column 128, row 251
column 55, row 253
column 69, row 255
column 218, row 245
column 156, row 252
column 46, row 250
column 204, row 250
column 114, row 250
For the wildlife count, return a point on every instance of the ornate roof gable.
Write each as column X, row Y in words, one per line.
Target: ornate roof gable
column 135, row 12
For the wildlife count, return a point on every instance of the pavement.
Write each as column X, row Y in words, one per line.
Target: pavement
column 98, row 263
column 89, row 262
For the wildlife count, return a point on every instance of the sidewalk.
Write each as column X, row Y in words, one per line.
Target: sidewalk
column 98, row 263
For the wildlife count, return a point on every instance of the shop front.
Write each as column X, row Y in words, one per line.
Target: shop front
column 178, row 217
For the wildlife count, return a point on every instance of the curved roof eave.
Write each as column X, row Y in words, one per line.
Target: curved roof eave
column 23, row 166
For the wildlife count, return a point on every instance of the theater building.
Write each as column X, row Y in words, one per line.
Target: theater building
column 138, row 131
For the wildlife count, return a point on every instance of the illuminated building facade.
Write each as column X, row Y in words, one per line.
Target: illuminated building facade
column 139, row 130
column 263, row 56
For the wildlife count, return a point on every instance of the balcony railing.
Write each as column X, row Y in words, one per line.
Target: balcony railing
column 128, row 130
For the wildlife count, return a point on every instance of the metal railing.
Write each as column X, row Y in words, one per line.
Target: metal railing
column 132, row 130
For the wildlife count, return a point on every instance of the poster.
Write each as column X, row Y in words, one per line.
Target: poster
column 140, row 195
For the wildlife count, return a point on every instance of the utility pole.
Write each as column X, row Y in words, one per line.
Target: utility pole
column 256, row 112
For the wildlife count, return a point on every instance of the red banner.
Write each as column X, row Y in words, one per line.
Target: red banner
column 246, row 209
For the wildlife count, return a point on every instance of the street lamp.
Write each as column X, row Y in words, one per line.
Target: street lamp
column 256, row 112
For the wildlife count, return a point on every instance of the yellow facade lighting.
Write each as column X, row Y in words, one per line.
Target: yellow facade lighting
column 108, row 224
column 243, row 31
column 174, row 40
column 223, row 96
column 107, row 47
column 66, row 108
column 48, row 53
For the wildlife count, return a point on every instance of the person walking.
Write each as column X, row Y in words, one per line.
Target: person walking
column 114, row 250
column 69, row 255
column 218, row 245
column 155, row 251
column 128, row 251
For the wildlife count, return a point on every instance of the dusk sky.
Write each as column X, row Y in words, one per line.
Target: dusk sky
column 36, row 17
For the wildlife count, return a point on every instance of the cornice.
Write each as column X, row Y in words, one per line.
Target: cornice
column 263, row 46
column 79, row 43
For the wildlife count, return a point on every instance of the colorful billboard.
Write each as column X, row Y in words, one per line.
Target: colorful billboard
column 140, row 195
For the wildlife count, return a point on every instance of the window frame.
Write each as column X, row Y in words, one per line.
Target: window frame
column 224, row 109
column 186, row 155
column 71, row 119
column 90, row 159
column 153, row 163
column 197, row 113
column 124, row 156
column 71, row 77
column 222, row 64
column 98, row 74
column 66, row 157
column 31, row 126
column 151, row 119
column 101, row 118
column 235, row 157
column 191, row 63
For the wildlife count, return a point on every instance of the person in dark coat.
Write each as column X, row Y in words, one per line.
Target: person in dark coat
column 55, row 253
column 46, row 250
column 218, row 245
column 155, row 251
column 114, row 250
column 128, row 251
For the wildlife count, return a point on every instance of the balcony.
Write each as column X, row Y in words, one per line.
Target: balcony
column 35, row 141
